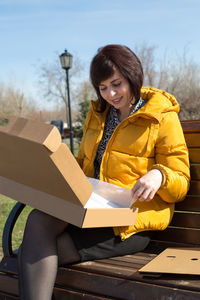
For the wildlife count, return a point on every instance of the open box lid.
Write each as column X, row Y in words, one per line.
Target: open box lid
column 175, row 261
column 38, row 132
column 32, row 154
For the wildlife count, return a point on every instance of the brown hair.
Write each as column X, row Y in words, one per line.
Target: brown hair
column 125, row 60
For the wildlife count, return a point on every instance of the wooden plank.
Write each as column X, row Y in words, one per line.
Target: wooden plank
column 8, row 284
column 190, row 125
column 179, row 235
column 189, row 220
column 136, row 287
column 62, row 294
column 9, row 265
column 194, row 155
column 173, row 281
column 131, row 258
column 4, row 296
column 192, row 139
column 109, row 268
column 195, row 171
column 189, row 204
column 194, row 188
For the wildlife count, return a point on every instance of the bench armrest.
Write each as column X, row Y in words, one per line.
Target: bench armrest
column 8, row 228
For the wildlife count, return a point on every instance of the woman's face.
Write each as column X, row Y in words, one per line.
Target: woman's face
column 116, row 91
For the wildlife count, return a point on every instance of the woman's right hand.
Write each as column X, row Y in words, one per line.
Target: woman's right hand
column 147, row 186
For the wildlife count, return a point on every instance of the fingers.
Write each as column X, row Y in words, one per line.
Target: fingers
column 147, row 186
column 143, row 194
column 147, row 195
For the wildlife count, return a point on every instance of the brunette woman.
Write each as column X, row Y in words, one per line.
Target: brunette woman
column 132, row 138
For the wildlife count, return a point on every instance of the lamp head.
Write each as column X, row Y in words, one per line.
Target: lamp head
column 66, row 60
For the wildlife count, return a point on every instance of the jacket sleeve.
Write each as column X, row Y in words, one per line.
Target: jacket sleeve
column 172, row 159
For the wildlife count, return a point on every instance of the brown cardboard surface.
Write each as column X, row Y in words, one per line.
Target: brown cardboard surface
column 65, row 210
column 29, row 161
column 38, row 132
column 175, row 261
column 37, row 169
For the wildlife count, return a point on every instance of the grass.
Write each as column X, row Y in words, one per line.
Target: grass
column 6, row 204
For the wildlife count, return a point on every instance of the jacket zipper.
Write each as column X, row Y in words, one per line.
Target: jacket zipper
column 113, row 136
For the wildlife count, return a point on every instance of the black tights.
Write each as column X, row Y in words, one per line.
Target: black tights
column 45, row 246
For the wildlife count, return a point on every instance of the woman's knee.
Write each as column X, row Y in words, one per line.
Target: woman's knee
column 40, row 221
column 67, row 252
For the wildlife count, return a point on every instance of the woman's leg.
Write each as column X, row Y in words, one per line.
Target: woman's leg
column 38, row 255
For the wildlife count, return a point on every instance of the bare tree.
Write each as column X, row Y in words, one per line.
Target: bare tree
column 179, row 76
column 147, row 58
column 13, row 101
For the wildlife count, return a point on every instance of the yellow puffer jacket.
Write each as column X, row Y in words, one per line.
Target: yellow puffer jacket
column 150, row 138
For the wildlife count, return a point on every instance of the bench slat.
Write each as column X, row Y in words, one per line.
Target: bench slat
column 179, row 235
column 194, row 188
column 135, row 287
column 189, row 204
column 189, row 220
column 192, row 139
column 4, row 296
column 6, row 282
column 190, row 125
column 75, row 295
column 195, row 171
column 171, row 280
column 194, row 155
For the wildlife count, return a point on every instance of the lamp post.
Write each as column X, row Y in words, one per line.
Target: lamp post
column 66, row 63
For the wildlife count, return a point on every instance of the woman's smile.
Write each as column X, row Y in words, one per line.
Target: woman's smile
column 117, row 100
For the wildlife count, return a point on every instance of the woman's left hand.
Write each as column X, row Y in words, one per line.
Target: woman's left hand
column 146, row 187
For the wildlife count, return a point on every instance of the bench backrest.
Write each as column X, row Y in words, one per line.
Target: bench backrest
column 185, row 225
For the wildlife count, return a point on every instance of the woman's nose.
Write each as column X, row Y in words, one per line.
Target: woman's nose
column 112, row 92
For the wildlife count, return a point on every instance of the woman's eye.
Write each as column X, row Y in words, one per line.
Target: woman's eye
column 102, row 88
column 117, row 84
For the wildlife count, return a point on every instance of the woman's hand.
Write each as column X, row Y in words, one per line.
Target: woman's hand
column 146, row 187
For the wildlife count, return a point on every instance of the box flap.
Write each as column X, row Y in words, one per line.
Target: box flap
column 49, row 204
column 175, row 261
column 38, row 132
column 65, row 210
column 109, row 217
column 25, row 157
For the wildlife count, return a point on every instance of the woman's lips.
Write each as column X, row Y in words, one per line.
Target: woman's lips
column 117, row 101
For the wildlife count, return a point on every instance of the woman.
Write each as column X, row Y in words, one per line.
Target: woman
column 132, row 138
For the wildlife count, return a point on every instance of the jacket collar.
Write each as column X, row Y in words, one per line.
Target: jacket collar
column 157, row 102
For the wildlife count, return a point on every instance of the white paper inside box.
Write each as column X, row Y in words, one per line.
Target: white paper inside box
column 37, row 169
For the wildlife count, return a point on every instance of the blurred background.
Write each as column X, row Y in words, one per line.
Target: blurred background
column 33, row 34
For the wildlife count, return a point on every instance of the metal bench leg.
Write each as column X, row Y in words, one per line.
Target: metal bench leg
column 8, row 228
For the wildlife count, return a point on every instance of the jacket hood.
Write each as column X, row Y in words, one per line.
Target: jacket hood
column 157, row 102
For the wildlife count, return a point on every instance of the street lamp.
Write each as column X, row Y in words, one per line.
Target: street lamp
column 66, row 63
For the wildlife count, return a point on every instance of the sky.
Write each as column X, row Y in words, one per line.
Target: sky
column 33, row 32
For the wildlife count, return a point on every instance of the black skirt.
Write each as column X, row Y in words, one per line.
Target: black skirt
column 99, row 243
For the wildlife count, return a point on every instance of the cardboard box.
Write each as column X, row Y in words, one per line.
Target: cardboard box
column 175, row 261
column 37, row 169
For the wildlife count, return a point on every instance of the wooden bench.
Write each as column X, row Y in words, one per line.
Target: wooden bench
column 118, row 278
